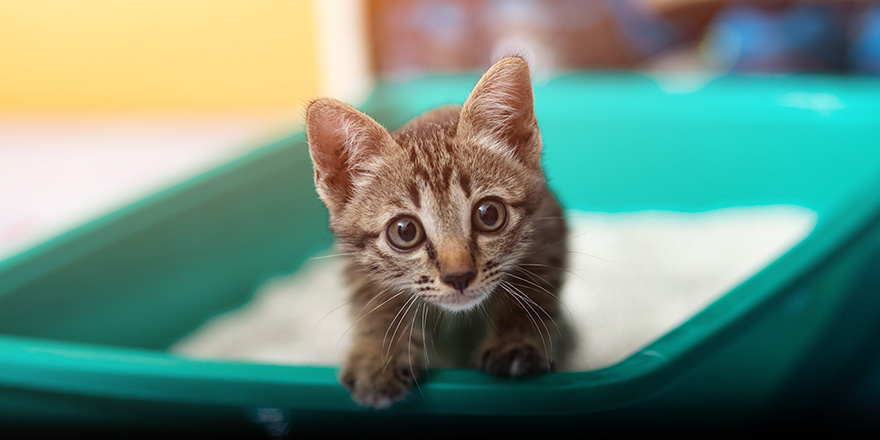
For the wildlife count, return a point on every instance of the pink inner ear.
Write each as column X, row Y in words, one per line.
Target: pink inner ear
column 329, row 156
column 341, row 142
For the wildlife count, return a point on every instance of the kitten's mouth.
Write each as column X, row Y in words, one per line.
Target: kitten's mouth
column 458, row 300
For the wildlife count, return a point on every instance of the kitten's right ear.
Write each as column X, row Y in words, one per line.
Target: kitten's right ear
column 343, row 143
column 500, row 111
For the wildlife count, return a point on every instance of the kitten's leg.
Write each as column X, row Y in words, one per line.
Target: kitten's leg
column 385, row 355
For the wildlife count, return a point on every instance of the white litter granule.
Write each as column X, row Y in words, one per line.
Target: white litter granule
column 631, row 278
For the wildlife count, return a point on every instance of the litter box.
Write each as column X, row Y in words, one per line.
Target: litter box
column 86, row 318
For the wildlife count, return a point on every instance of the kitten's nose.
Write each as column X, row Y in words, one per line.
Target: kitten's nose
column 459, row 281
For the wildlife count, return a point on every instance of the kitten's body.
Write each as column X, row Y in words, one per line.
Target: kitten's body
column 487, row 235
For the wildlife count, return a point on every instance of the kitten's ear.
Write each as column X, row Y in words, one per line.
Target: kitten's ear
column 500, row 111
column 343, row 143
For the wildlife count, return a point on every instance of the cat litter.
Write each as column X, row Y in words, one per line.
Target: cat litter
column 631, row 278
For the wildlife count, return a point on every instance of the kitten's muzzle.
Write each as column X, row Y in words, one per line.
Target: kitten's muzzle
column 459, row 281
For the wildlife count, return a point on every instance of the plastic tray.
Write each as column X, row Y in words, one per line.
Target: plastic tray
column 85, row 317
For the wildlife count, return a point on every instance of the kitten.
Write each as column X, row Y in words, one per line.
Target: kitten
column 450, row 213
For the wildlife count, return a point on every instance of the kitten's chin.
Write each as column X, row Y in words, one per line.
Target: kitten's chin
column 459, row 301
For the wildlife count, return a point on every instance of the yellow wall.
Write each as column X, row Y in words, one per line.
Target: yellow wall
column 156, row 54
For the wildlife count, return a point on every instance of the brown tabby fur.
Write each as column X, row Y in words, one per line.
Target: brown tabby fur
column 436, row 168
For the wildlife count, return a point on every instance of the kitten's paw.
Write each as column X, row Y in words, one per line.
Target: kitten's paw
column 377, row 386
column 514, row 358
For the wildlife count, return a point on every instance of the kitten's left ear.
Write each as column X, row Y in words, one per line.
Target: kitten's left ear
column 500, row 111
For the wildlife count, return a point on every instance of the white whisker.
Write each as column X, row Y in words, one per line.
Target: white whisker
column 591, row 256
column 361, row 314
column 555, row 296
column 566, row 239
column 547, row 266
column 328, row 314
column 536, row 285
column 528, row 313
column 408, row 304
column 425, row 335
column 411, row 368
column 531, row 301
column 324, row 257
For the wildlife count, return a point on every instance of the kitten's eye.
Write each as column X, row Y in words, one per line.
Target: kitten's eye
column 405, row 233
column 490, row 215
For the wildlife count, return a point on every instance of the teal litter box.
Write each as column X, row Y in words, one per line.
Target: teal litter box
column 86, row 317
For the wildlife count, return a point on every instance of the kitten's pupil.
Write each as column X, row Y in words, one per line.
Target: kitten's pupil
column 488, row 214
column 406, row 230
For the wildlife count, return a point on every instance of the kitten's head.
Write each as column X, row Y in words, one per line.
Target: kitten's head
column 442, row 207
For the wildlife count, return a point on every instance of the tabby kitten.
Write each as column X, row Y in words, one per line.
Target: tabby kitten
column 450, row 213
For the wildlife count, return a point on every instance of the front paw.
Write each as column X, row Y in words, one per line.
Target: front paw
column 509, row 358
column 374, row 384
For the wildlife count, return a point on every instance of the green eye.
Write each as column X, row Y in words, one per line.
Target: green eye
column 405, row 233
column 490, row 215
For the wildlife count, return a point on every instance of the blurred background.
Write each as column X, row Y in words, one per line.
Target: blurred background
column 103, row 102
